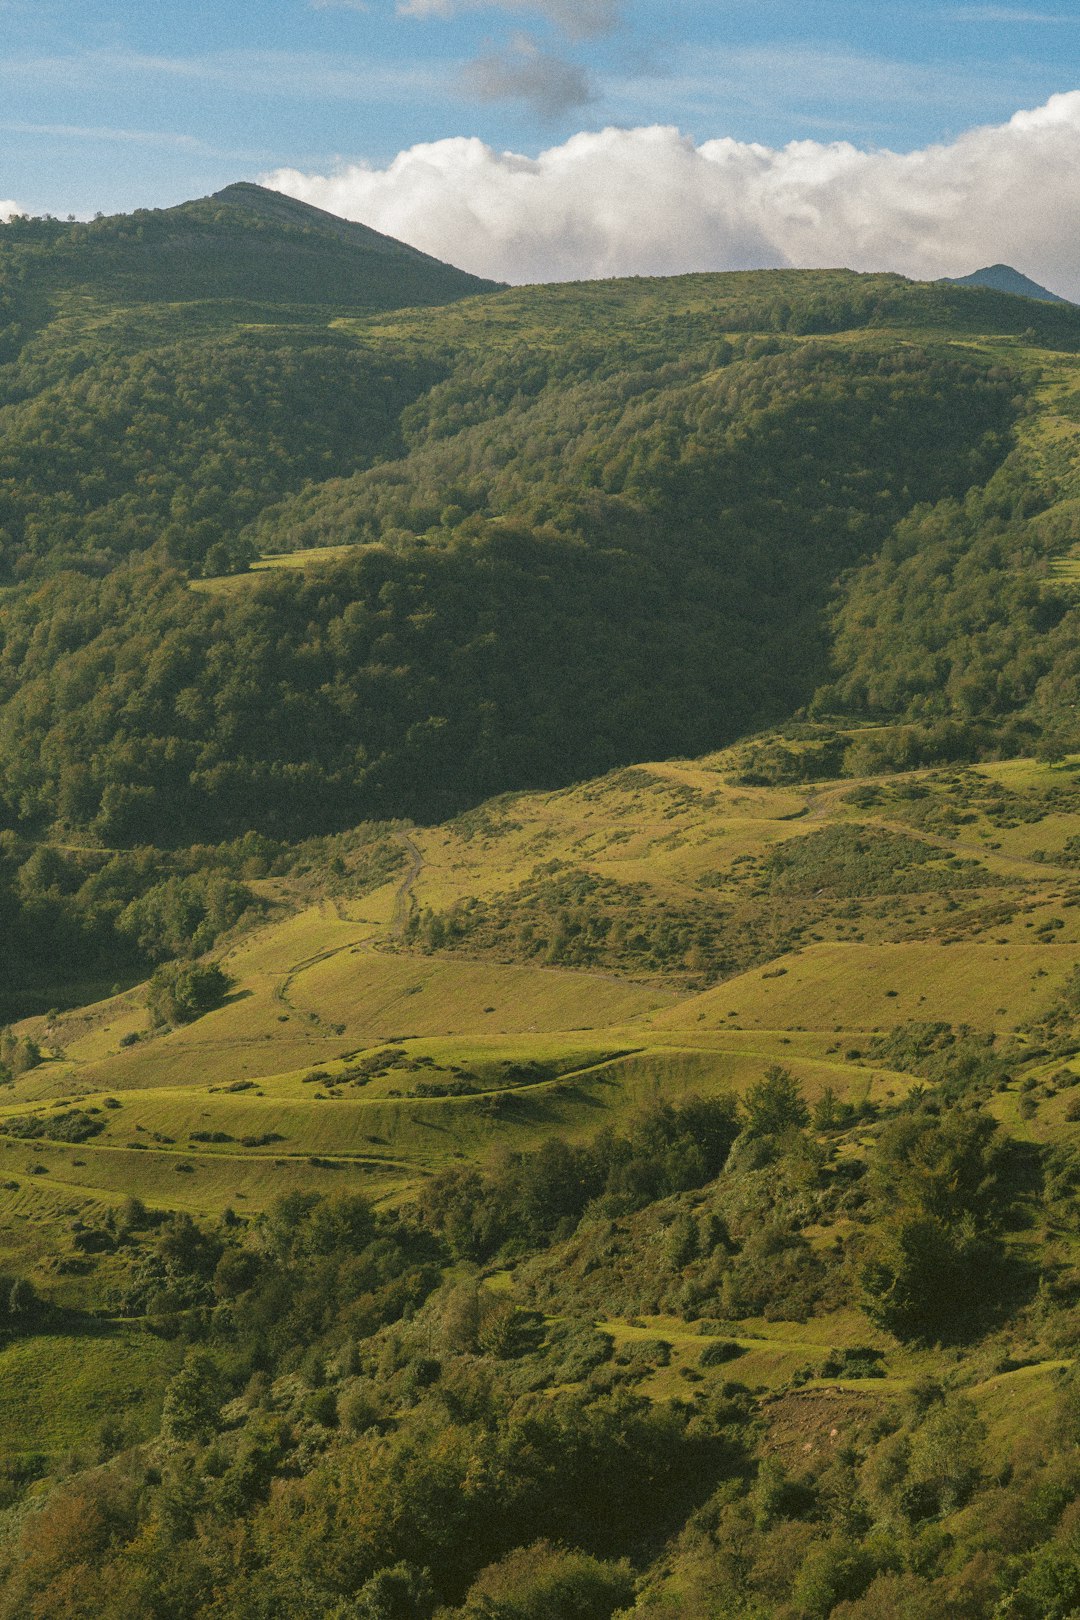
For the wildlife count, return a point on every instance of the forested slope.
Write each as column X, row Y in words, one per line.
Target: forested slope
column 242, row 243
column 170, row 372
column 652, row 1197
column 590, row 524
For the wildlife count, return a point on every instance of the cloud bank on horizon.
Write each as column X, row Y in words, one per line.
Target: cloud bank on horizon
column 652, row 201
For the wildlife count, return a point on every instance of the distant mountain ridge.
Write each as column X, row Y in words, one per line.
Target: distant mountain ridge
column 244, row 242
column 1003, row 278
column 551, row 530
column 276, row 208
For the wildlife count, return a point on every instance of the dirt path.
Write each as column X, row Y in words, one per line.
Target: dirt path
column 281, row 990
column 400, row 919
column 1019, row 867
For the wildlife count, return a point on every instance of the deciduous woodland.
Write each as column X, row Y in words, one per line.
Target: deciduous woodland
column 539, row 937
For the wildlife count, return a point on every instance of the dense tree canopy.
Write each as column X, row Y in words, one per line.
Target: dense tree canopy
column 597, row 569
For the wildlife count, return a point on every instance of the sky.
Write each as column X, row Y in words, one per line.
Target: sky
column 544, row 139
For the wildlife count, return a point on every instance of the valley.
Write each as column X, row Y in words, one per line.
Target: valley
column 539, row 936
column 337, row 988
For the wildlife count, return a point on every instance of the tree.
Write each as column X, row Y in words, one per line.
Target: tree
column 947, row 1166
column 19, row 1053
column 834, row 1570
column 543, row 1582
column 1050, row 1589
column 460, row 1319
column 193, row 1400
column 180, row 992
column 338, row 1226
column 946, row 1458
column 22, row 1302
column 922, row 1279
column 931, row 1261
column 399, row 1592
column 775, row 1104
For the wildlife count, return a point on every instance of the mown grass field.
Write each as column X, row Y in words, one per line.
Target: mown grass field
column 852, row 988
column 56, row 1393
column 224, row 584
column 463, row 1051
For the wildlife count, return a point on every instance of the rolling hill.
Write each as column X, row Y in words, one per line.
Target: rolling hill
column 539, row 937
column 549, row 530
column 1003, row 278
column 890, row 953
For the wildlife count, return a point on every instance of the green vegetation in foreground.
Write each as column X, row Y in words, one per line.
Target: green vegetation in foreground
column 534, row 1268
column 652, row 1198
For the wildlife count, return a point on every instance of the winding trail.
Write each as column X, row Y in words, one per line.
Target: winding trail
column 398, row 924
column 281, row 990
column 400, row 919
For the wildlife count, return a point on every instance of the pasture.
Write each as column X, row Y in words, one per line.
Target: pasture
column 347, row 1053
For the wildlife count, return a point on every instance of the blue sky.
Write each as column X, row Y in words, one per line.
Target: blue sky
column 107, row 104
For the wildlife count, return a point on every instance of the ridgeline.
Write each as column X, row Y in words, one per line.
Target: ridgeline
column 542, row 532
column 463, row 1157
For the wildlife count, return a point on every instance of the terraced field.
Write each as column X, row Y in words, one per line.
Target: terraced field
column 226, row 584
column 350, row 1052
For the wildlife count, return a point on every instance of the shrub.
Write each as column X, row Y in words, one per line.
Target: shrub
column 322, row 1407
column 357, row 1409
column 543, row 1582
column 180, row 992
column 718, row 1352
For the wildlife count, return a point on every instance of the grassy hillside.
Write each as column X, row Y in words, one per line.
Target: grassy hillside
column 663, row 927
column 546, row 974
column 539, row 938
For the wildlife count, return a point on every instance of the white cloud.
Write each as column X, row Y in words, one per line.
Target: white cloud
column 319, row 75
column 580, row 19
column 8, row 210
column 650, row 201
column 97, row 132
column 443, row 9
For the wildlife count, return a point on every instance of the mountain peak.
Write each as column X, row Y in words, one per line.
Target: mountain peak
column 276, row 208
column 1003, row 278
column 246, row 242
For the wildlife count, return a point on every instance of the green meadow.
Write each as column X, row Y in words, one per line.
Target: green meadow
column 539, row 937
column 319, row 992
